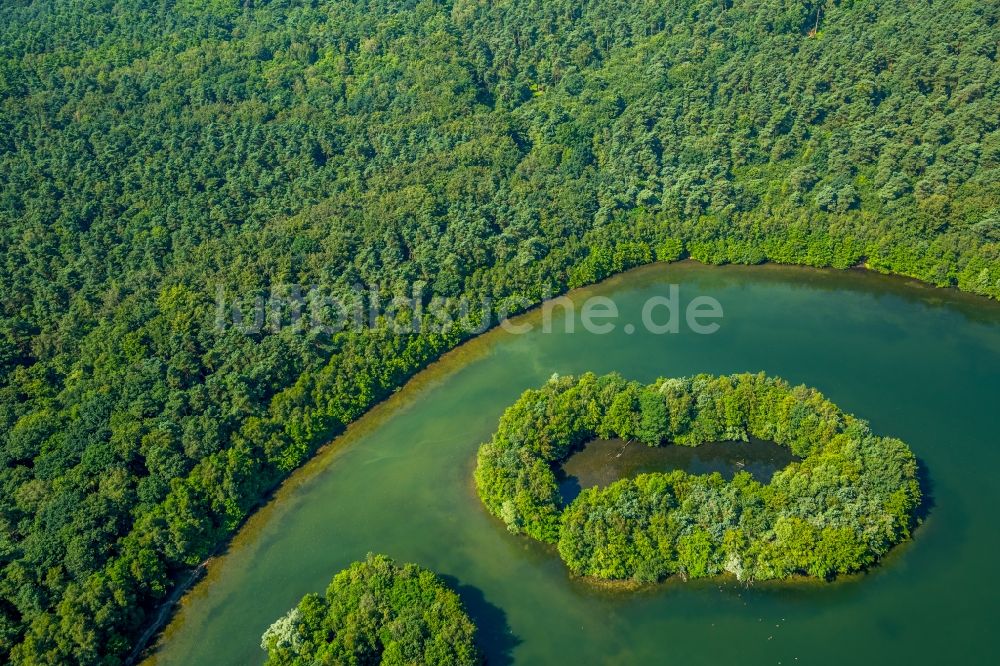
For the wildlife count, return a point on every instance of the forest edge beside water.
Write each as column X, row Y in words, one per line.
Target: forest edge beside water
column 160, row 154
column 439, row 368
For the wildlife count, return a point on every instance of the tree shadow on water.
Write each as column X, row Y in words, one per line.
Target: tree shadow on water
column 569, row 487
column 927, row 504
column 494, row 636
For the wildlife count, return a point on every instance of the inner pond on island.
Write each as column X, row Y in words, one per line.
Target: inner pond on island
column 919, row 363
column 604, row 461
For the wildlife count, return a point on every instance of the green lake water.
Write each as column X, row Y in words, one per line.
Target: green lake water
column 919, row 363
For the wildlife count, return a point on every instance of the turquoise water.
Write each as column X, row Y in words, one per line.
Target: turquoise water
column 920, row 364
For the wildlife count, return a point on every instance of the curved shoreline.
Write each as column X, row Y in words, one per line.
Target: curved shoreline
column 656, row 524
column 278, row 502
column 796, row 583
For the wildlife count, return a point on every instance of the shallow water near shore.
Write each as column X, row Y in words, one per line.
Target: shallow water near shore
column 919, row 363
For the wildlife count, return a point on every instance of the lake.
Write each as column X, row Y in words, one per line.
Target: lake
column 919, row 363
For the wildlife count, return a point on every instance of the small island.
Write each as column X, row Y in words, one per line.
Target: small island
column 376, row 612
column 849, row 496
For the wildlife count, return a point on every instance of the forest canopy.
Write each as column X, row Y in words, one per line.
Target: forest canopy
column 851, row 497
column 158, row 157
column 376, row 612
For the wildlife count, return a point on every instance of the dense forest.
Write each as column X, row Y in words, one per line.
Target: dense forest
column 376, row 612
column 837, row 510
column 158, row 157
